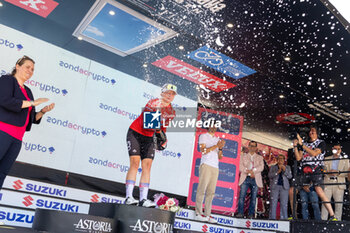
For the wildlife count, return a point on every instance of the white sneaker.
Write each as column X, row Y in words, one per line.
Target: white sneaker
column 147, row 203
column 201, row 218
column 210, row 219
column 130, row 201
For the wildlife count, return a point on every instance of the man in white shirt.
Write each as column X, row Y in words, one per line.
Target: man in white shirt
column 211, row 148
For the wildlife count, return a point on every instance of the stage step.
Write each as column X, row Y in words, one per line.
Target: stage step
column 13, row 229
column 134, row 218
column 22, row 196
column 63, row 222
column 142, row 219
column 252, row 224
column 187, row 226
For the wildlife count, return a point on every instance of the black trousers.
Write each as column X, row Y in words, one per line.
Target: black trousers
column 9, row 150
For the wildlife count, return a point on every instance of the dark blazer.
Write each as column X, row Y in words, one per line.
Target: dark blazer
column 11, row 97
column 287, row 174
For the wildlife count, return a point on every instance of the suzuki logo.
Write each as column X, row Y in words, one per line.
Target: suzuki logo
column 95, row 198
column 242, row 232
column 247, row 224
column 28, row 201
column 205, row 228
column 32, row 3
column 17, row 184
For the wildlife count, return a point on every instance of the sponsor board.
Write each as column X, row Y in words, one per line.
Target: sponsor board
column 296, row 118
column 132, row 219
column 192, row 73
column 16, row 217
column 202, row 227
column 39, row 7
column 221, row 62
column 186, row 225
column 151, row 226
column 95, row 89
column 282, row 226
column 52, row 221
column 225, row 198
column 51, row 190
column 31, row 201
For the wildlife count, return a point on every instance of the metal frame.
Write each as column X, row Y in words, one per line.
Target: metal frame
column 95, row 10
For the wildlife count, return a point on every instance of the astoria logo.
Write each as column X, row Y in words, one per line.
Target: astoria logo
column 152, row 226
column 87, row 225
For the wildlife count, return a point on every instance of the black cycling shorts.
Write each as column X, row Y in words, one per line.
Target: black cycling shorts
column 315, row 178
column 140, row 145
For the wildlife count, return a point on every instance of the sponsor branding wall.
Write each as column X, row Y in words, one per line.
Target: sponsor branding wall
column 226, row 194
column 95, row 105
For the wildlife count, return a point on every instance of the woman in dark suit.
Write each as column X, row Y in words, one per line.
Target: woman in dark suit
column 17, row 112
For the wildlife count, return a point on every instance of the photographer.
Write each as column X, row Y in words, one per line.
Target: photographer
column 312, row 155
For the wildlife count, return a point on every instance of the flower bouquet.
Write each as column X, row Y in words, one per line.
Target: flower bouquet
column 165, row 203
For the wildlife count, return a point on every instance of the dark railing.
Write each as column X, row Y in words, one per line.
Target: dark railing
column 299, row 184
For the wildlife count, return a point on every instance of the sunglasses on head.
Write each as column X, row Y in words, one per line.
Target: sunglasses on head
column 21, row 59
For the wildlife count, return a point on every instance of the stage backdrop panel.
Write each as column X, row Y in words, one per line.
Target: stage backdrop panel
column 95, row 105
column 231, row 131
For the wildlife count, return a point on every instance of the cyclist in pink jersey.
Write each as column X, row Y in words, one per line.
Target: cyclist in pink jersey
column 17, row 112
column 141, row 145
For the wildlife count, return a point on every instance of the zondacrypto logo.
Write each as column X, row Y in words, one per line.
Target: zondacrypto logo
column 10, row 44
column 37, row 147
column 46, row 87
column 87, row 73
column 82, row 129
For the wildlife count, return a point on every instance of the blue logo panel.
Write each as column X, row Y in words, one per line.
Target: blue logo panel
column 221, row 62
column 230, row 149
column 223, row 196
column 229, row 125
column 151, row 120
column 196, row 169
column 227, row 172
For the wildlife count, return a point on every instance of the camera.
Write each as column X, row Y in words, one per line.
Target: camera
column 302, row 131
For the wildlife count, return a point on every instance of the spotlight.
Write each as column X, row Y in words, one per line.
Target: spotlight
column 1, row 4
column 80, row 38
column 145, row 65
column 111, row 12
column 230, row 25
column 287, row 58
column 331, row 85
column 281, row 96
column 181, row 47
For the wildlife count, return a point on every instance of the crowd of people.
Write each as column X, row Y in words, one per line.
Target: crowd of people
column 314, row 178
column 312, row 172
